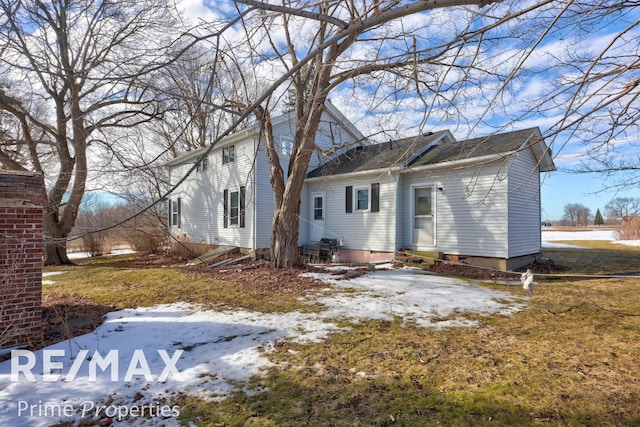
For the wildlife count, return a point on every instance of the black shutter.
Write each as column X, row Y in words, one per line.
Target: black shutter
column 170, row 217
column 179, row 213
column 349, row 199
column 242, row 191
column 225, row 206
column 375, row 197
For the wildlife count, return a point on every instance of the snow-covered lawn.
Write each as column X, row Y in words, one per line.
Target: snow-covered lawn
column 550, row 235
column 211, row 351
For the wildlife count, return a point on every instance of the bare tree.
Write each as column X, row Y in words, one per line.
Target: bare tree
column 596, row 89
column 465, row 68
column 73, row 70
column 195, row 92
column 315, row 48
column 620, row 208
column 577, row 214
column 488, row 53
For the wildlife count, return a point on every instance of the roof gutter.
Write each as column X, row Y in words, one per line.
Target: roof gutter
column 489, row 158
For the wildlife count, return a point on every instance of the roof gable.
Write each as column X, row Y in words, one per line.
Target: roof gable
column 254, row 130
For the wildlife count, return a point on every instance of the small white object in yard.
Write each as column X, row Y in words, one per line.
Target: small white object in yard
column 527, row 280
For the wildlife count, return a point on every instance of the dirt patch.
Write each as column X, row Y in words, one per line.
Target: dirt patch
column 149, row 260
column 542, row 266
column 67, row 316
column 260, row 277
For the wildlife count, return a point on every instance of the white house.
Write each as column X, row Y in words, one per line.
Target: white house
column 478, row 199
column 228, row 199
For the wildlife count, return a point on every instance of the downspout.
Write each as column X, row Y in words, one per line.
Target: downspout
column 398, row 228
column 508, row 219
column 254, row 219
column 539, row 216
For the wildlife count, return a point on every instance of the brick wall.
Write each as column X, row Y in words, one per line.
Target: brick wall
column 21, row 253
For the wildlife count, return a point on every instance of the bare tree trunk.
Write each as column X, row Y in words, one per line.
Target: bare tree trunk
column 284, row 237
column 55, row 252
column 286, row 216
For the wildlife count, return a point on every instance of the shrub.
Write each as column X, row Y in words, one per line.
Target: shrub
column 94, row 243
column 181, row 248
column 629, row 229
column 150, row 240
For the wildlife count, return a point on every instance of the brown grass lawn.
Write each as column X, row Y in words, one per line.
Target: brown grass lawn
column 572, row 358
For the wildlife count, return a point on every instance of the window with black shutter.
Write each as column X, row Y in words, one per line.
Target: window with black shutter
column 242, row 195
column 225, row 207
column 375, row 197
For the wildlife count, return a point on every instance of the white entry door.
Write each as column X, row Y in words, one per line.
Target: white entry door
column 423, row 234
column 317, row 216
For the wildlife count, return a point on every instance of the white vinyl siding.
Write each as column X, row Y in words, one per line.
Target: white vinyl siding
column 364, row 230
column 202, row 198
column 470, row 210
column 329, row 134
column 524, row 205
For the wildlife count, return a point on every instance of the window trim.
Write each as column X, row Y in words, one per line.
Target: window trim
column 373, row 197
column 234, row 220
column 356, row 198
column 315, row 197
column 175, row 217
column 202, row 163
column 228, row 154
column 230, row 220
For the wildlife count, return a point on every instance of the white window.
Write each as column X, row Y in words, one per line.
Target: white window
column 286, row 147
column 317, row 207
column 174, row 212
column 234, row 207
column 362, row 198
column 228, row 154
column 202, row 164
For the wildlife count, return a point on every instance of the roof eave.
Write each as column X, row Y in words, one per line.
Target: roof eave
column 442, row 165
column 488, row 158
column 227, row 140
column 381, row 171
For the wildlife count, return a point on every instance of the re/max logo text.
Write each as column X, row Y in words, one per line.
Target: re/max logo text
column 23, row 363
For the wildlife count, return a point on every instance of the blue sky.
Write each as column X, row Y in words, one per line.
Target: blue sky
column 560, row 188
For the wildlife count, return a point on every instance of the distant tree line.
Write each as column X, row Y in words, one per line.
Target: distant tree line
column 617, row 211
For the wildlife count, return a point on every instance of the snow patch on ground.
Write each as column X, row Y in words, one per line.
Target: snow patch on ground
column 549, row 236
column 410, row 294
column 49, row 274
column 223, row 349
column 116, row 251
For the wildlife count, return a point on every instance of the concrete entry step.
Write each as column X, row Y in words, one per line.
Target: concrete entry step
column 424, row 257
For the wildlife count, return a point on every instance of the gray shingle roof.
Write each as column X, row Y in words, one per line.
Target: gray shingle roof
column 375, row 156
column 396, row 153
